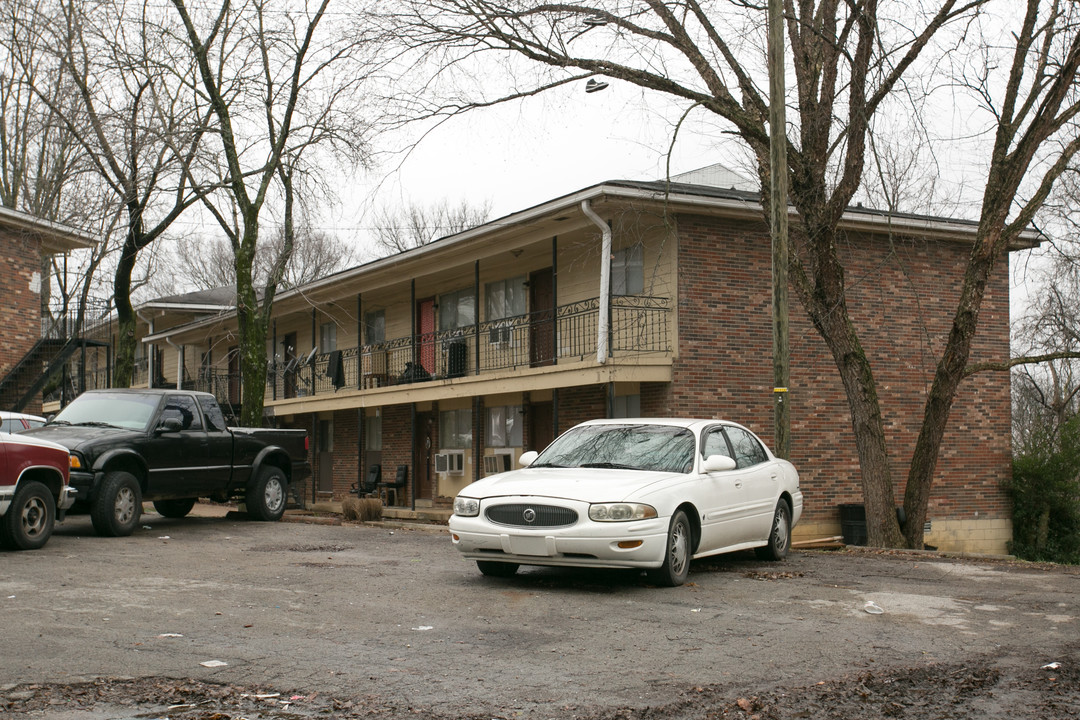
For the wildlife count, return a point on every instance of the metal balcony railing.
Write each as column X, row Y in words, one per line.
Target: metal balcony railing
column 639, row 324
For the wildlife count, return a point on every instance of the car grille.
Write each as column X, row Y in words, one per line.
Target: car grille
column 525, row 515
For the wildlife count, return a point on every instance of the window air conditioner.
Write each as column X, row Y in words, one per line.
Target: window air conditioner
column 450, row 463
column 501, row 461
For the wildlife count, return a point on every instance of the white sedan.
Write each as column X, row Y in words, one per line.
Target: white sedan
column 632, row 493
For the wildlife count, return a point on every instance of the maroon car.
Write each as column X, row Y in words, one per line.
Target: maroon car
column 34, row 490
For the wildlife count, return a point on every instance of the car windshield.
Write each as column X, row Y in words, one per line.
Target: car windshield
column 634, row 447
column 131, row 411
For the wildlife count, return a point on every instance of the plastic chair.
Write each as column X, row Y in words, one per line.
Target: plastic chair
column 390, row 489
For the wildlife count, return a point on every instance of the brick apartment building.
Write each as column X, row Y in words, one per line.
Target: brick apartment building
column 26, row 244
column 446, row 362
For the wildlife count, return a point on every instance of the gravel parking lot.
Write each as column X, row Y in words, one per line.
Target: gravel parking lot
column 383, row 621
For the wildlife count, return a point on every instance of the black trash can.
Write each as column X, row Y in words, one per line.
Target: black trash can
column 853, row 523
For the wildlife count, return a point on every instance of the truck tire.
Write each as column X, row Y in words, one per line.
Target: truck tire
column 174, row 508
column 266, row 495
column 116, row 507
column 29, row 521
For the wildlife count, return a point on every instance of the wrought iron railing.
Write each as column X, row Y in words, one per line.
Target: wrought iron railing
column 639, row 324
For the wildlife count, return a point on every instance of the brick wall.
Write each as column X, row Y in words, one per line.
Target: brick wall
column 578, row 404
column 20, row 311
column 901, row 297
column 397, row 446
column 346, row 453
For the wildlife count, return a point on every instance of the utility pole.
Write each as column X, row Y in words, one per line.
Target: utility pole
column 778, row 217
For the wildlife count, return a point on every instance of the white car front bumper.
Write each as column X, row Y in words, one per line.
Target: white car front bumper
column 633, row 544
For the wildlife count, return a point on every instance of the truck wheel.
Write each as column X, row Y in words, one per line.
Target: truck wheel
column 174, row 508
column 265, row 498
column 117, row 505
column 29, row 521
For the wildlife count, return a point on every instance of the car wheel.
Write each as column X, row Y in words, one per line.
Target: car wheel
column 266, row 495
column 779, row 535
column 676, row 555
column 29, row 521
column 116, row 507
column 174, row 508
column 496, row 569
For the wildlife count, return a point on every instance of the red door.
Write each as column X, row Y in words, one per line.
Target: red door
column 425, row 323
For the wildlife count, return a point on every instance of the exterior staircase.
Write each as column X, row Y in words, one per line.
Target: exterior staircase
column 27, row 379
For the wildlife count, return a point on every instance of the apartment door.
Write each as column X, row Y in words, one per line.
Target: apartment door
column 425, row 325
column 541, row 425
column 423, row 488
column 542, row 318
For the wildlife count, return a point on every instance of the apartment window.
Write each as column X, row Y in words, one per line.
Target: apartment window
column 373, row 431
column 375, row 327
column 628, row 271
column 504, row 427
column 455, row 429
column 457, row 309
column 327, row 337
column 627, row 406
column 504, row 298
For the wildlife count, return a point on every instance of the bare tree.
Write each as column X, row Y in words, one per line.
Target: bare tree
column 850, row 60
column 283, row 85
column 134, row 124
column 206, row 263
column 401, row 229
column 44, row 170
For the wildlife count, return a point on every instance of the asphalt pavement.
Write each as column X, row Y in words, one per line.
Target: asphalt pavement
column 389, row 616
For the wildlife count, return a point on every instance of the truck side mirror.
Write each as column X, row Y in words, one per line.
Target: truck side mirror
column 170, row 425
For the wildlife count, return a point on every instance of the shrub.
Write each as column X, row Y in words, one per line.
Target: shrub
column 361, row 509
column 1045, row 491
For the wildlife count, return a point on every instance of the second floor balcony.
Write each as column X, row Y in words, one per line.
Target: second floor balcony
column 639, row 325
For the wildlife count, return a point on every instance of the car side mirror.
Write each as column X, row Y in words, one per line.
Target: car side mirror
column 528, row 458
column 170, row 425
column 718, row 463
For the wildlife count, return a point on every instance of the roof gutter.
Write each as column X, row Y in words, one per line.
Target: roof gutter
column 603, row 325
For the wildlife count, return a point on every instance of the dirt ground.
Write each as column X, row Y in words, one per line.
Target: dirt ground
column 363, row 621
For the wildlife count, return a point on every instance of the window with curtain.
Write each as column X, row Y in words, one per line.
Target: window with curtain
column 375, row 327
column 455, row 429
column 327, row 337
column 504, row 427
column 457, row 309
column 373, row 431
column 628, row 270
column 504, row 298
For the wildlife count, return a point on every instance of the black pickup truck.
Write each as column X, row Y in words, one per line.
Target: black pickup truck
column 171, row 447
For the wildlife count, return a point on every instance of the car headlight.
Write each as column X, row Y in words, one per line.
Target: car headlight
column 620, row 512
column 466, row 506
column 74, row 462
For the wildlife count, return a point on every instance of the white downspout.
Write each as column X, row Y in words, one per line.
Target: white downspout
column 149, row 348
column 604, row 323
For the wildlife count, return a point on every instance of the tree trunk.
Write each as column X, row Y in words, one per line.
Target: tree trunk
column 251, row 330
column 124, row 363
column 882, row 527
column 950, row 372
